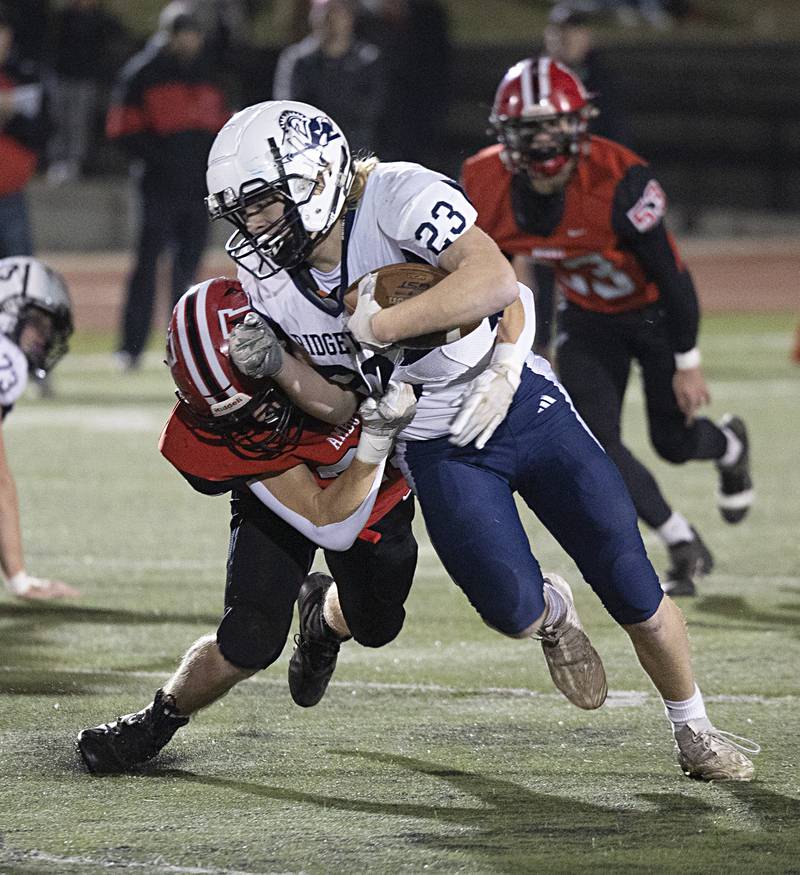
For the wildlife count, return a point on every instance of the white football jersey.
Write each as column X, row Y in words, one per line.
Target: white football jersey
column 406, row 213
column 13, row 374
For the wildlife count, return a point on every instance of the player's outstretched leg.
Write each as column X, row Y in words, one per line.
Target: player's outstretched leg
column 688, row 560
column 203, row 676
column 709, row 754
column 135, row 738
column 704, row 752
column 575, row 666
column 735, row 483
column 317, row 644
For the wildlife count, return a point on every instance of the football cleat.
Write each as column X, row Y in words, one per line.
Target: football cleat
column 130, row 740
column 317, row 645
column 689, row 559
column 735, row 484
column 575, row 666
column 713, row 755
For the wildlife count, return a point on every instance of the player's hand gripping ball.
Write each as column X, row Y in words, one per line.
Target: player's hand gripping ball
column 387, row 287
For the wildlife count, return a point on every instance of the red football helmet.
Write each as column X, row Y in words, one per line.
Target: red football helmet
column 540, row 116
column 252, row 417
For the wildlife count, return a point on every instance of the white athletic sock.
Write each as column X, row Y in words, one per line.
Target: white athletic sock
column 555, row 605
column 691, row 710
column 733, row 450
column 332, row 613
column 675, row 530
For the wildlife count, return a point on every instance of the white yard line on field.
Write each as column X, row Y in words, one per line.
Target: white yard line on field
column 616, row 698
column 157, row 865
column 88, row 417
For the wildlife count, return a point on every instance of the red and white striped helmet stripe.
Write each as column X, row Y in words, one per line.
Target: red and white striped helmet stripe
column 543, row 80
column 186, row 349
column 208, row 347
column 192, row 308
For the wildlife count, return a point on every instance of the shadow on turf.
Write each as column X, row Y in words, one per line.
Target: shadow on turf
column 52, row 613
column 736, row 608
column 512, row 822
column 23, row 642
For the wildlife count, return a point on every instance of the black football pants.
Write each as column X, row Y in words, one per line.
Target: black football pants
column 167, row 219
column 268, row 561
column 594, row 356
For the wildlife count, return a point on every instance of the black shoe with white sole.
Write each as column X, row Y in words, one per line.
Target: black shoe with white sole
column 735, row 483
column 688, row 561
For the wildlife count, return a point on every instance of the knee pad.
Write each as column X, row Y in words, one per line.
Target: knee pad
column 249, row 638
column 674, row 448
column 512, row 617
column 634, row 593
column 378, row 632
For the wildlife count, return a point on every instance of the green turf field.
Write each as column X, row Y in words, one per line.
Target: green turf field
column 448, row 750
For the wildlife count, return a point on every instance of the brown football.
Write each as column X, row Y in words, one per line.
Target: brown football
column 399, row 282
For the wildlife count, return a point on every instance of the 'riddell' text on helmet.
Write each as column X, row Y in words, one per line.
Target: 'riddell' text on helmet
column 540, row 116
column 286, row 161
column 251, row 417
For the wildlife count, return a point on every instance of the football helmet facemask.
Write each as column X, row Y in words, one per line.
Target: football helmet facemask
column 35, row 297
column 253, row 418
column 540, row 116
column 285, row 160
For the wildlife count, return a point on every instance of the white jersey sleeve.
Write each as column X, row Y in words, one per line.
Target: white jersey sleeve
column 423, row 211
column 338, row 536
column 13, row 372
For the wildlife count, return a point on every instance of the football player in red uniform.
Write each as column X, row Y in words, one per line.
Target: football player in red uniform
column 297, row 484
column 589, row 214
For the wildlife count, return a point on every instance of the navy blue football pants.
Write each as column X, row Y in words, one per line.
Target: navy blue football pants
column 543, row 452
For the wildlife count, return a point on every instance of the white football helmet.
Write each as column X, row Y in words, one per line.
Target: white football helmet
column 280, row 151
column 29, row 288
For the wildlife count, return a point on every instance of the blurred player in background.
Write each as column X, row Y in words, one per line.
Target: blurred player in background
column 590, row 214
column 24, row 128
column 491, row 418
column 35, row 326
column 297, row 484
column 165, row 110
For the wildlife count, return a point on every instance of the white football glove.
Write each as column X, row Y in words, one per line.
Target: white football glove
column 360, row 323
column 254, row 348
column 487, row 398
column 381, row 421
column 24, row 586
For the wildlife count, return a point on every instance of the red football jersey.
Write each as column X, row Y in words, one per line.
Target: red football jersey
column 326, row 451
column 591, row 268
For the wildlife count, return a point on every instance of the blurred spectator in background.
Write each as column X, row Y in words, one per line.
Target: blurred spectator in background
column 84, row 44
column 30, row 19
column 568, row 38
column 23, row 133
column 226, row 26
column 336, row 72
column 35, row 327
column 413, row 36
column 165, row 111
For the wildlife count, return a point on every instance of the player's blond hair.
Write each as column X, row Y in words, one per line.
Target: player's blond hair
column 362, row 168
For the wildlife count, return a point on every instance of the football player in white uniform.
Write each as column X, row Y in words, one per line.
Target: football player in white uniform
column 35, row 325
column 491, row 418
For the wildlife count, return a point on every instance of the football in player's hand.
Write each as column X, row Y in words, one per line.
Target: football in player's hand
column 396, row 283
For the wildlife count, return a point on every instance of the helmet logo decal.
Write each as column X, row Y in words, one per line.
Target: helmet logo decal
column 227, row 319
column 301, row 133
column 8, row 375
